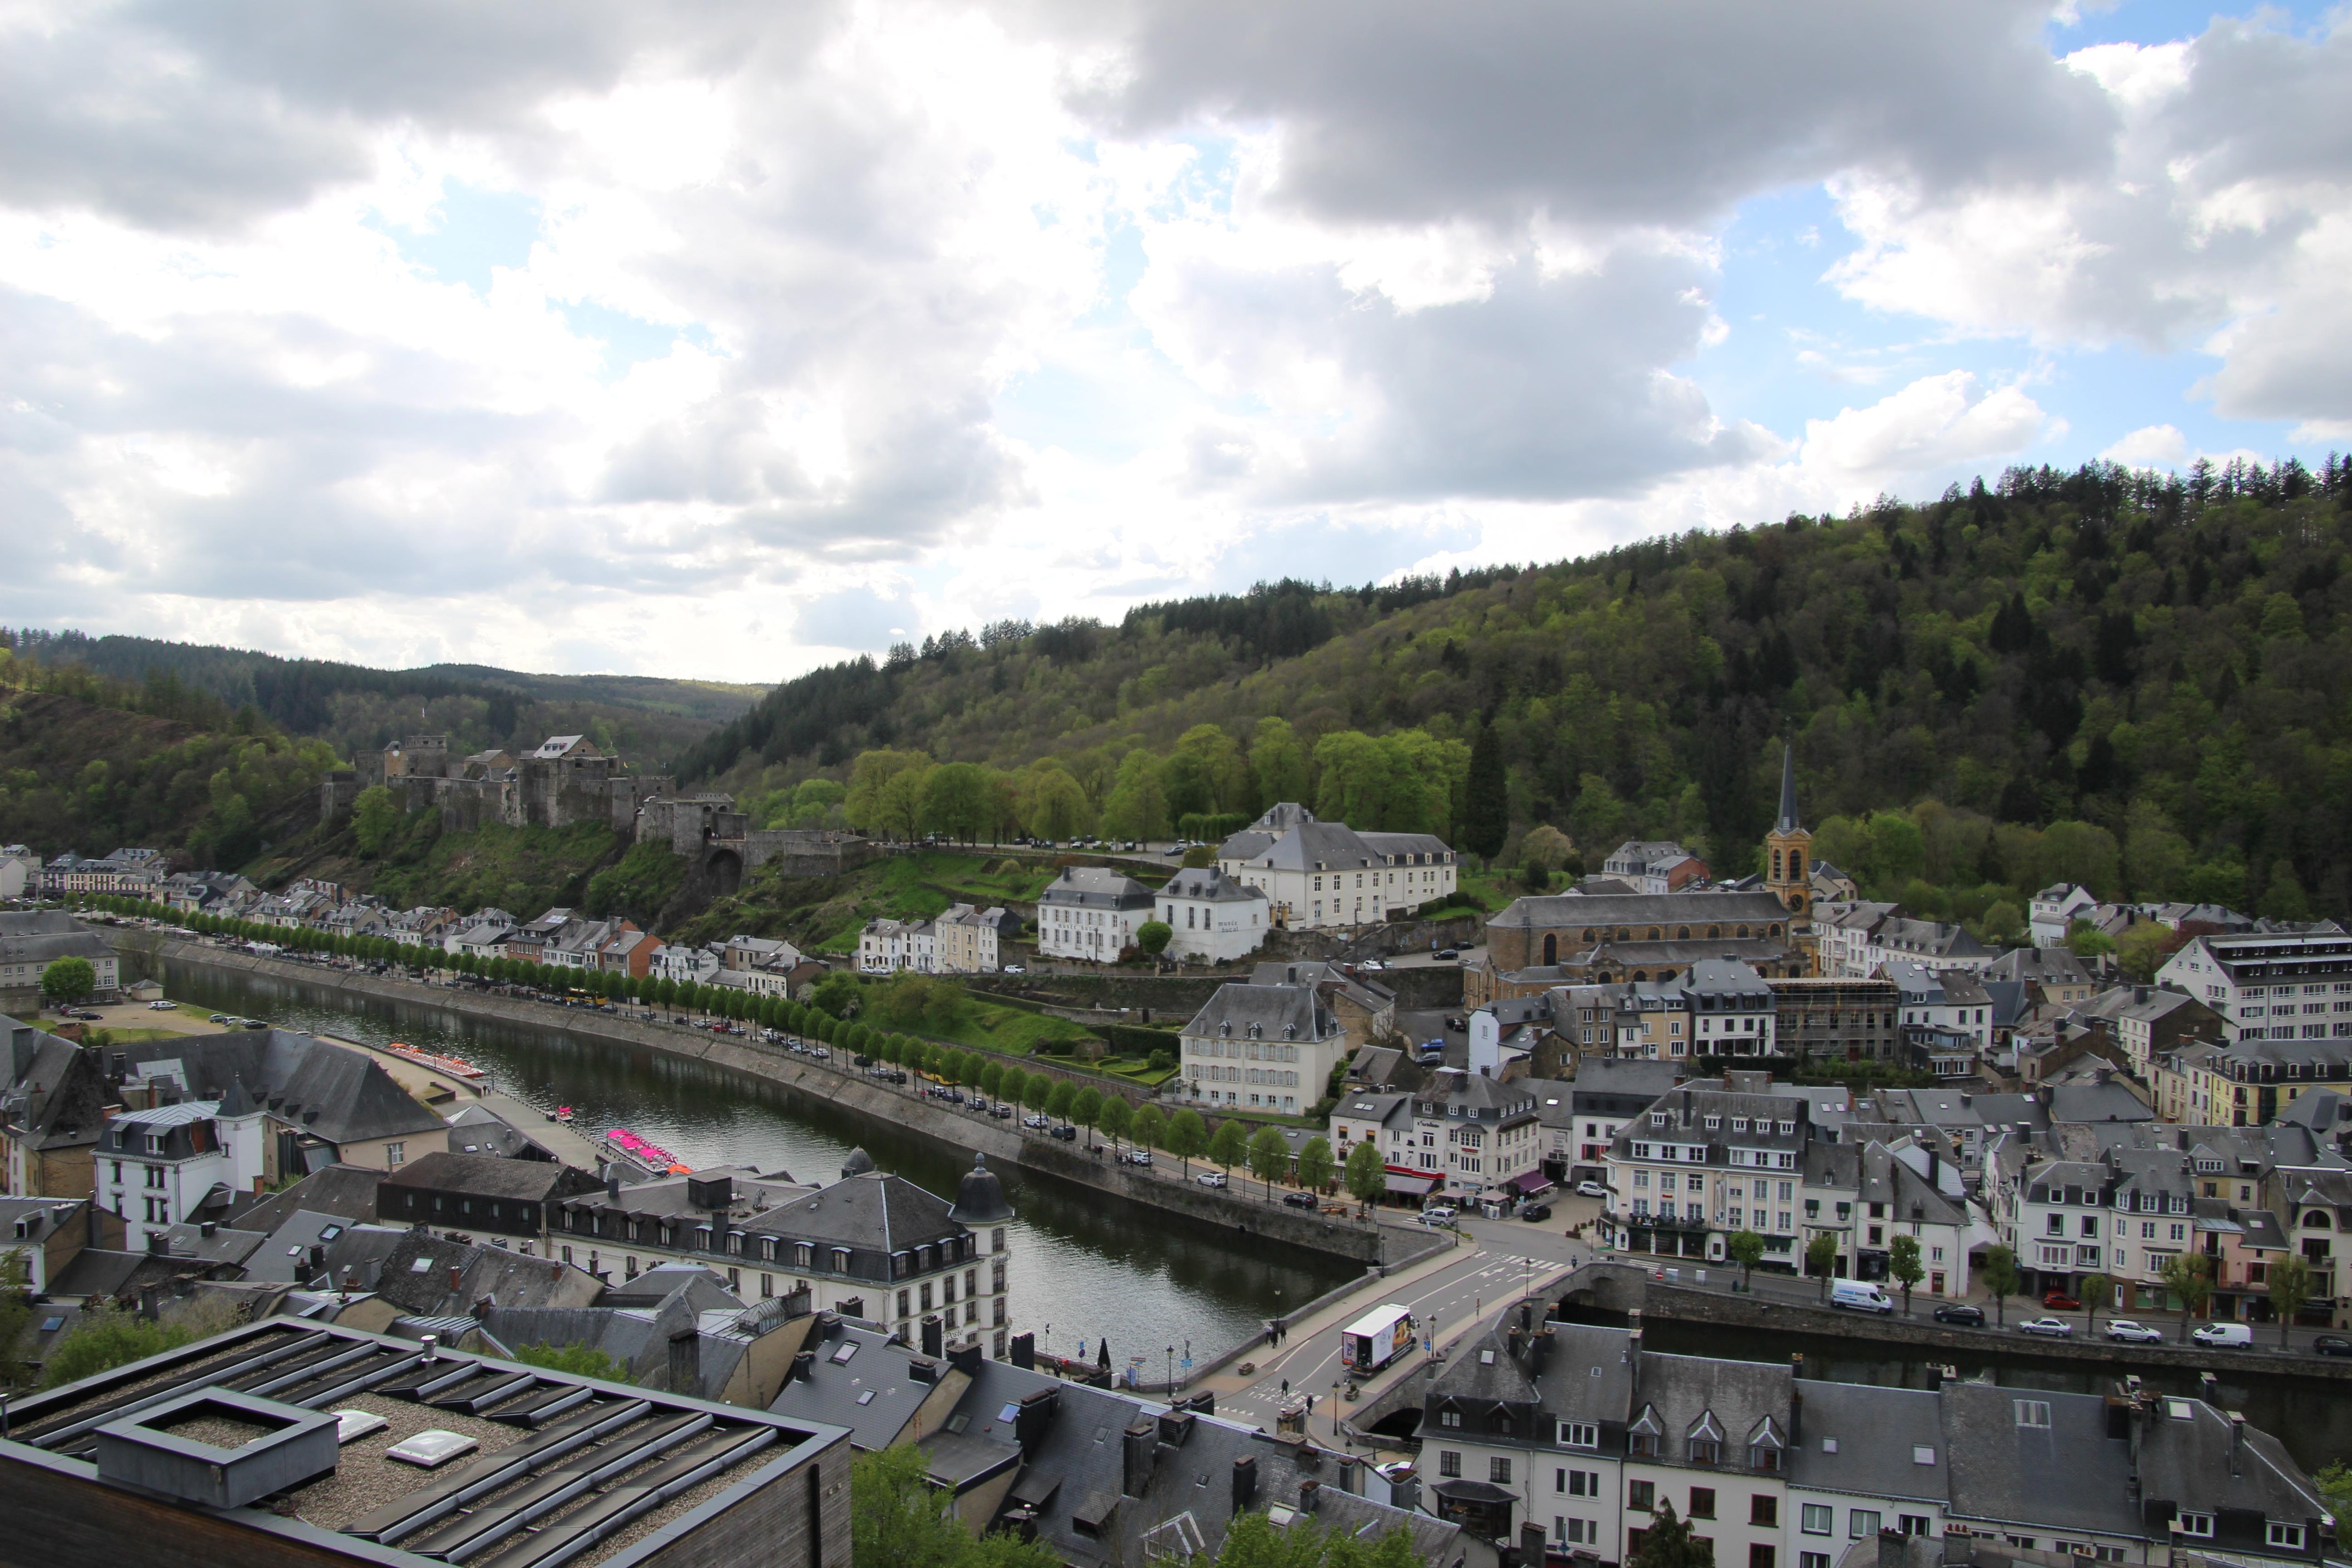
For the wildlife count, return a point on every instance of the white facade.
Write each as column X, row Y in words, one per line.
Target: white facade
column 155, row 1167
column 2054, row 910
column 686, row 966
column 2265, row 987
column 886, row 947
column 1091, row 915
column 1323, row 874
column 1216, row 919
column 1262, row 1048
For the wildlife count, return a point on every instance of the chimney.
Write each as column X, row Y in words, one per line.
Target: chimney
column 1245, row 1483
column 1531, row 1544
column 482, row 1305
column 1032, row 1418
column 1893, row 1549
column 1307, row 1491
column 2209, row 1388
column 1175, row 1426
column 456, row 1277
column 967, row 1360
column 317, row 1254
column 686, row 1363
column 934, row 1337
column 2237, row 1441
column 613, row 1183
column 1136, row 1445
column 803, row 1365
column 1024, row 1351
column 158, row 1245
column 923, row 1369
column 1022, row 1523
column 208, row 1230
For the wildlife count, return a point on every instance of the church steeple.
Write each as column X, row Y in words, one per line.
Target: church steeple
column 1788, row 848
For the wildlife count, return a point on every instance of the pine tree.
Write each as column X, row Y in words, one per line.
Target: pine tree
column 1487, row 796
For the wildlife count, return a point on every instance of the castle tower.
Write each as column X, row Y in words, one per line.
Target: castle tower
column 1789, row 848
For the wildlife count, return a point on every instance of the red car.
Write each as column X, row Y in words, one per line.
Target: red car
column 2059, row 1302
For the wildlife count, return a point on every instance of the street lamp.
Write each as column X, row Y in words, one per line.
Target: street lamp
column 1172, row 1371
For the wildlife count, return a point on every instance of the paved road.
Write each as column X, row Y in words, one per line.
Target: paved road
column 1498, row 1262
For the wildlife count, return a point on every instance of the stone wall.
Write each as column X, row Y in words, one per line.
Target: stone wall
column 1241, row 1210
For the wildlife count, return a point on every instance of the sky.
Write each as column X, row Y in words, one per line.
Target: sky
column 728, row 339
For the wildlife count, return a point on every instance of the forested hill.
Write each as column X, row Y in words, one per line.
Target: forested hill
column 354, row 708
column 2161, row 661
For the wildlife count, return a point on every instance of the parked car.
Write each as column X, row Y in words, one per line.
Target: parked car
column 2125, row 1331
column 1455, row 1021
column 219, row 1018
column 2332, row 1344
column 1445, row 956
column 1536, row 1214
column 2055, row 1328
column 1211, row 1178
column 1015, row 969
column 1960, row 1314
column 1066, row 1134
column 1591, row 1190
column 1036, row 1121
column 1002, row 1113
column 2059, row 1302
column 1135, row 1157
column 1444, row 1213
column 1298, row 1200
column 2224, row 1336
column 160, row 1006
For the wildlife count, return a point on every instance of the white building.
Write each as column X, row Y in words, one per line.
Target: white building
column 19, row 870
column 686, row 966
column 2054, row 910
column 1262, row 1048
column 1090, row 914
column 2285, row 986
column 1216, row 919
column 1476, row 1134
column 483, row 935
column 886, row 947
column 1318, row 874
column 1705, row 1161
column 157, row 1167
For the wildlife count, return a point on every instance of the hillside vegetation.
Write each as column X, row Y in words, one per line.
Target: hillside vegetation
column 88, row 766
column 357, row 709
column 2135, row 679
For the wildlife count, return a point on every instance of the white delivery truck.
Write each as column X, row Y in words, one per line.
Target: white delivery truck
column 1376, row 1339
column 1860, row 1296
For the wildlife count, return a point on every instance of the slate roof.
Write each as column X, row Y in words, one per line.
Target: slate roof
column 1206, row 884
column 1866, row 1440
column 2186, row 1458
column 1740, row 1396
column 2067, row 1474
column 876, row 1212
column 508, row 1278
column 482, row 1176
column 1096, row 887
column 1280, row 1013
column 1613, row 909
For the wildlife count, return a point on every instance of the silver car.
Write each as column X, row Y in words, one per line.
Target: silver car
column 2122, row 1331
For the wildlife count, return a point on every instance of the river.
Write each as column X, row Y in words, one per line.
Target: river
column 1083, row 1266
column 2311, row 1417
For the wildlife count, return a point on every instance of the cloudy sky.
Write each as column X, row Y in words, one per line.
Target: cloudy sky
column 719, row 339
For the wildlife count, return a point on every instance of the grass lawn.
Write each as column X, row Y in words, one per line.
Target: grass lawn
column 1012, row 1030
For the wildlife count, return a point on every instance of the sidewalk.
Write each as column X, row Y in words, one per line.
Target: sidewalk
column 1269, row 1360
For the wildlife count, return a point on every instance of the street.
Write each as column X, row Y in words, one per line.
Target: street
column 1496, row 1264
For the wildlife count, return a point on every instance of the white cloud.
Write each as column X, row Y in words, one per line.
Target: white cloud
column 1933, row 424
column 2151, row 446
column 877, row 314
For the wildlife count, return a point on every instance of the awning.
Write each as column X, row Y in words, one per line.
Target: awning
column 1528, row 1184
column 1415, row 1186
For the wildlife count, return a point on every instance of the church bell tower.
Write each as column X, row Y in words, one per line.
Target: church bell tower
column 1789, row 848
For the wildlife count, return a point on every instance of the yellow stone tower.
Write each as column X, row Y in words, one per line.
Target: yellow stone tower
column 1789, row 850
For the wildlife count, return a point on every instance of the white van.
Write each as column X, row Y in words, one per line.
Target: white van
column 1859, row 1296
column 2224, row 1336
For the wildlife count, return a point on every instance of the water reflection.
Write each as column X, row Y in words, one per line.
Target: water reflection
column 1083, row 1264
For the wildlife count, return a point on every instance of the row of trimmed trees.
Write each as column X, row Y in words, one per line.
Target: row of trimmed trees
column 1230, row 1145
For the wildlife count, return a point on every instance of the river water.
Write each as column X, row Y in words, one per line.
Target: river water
column 1083, row 1266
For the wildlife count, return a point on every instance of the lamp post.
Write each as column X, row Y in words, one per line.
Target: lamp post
column 1171, row 1370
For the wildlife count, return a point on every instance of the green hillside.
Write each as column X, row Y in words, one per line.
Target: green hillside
column 353, row 708
column 2131, row 679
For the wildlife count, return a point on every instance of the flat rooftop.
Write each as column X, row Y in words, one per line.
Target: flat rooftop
column 551, row 1468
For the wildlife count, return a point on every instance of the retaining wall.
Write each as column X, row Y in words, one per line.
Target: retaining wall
column 1234, row 1207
